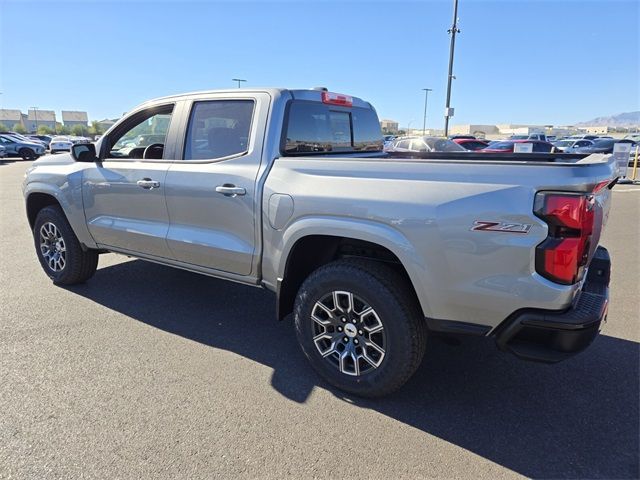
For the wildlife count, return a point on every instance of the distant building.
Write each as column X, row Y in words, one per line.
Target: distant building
column 9, row 118
column 471, row 129
column 511, row 129
column 596, row 129
column 71, row 118
column 106, row 124
column 37, row 118
column 389, row 125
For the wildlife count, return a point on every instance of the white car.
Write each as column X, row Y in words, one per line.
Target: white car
column 568, row 145
column 60, row 144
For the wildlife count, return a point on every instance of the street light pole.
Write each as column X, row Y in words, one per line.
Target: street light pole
column 35, row 114
column 453, row 30
column 424, row 120
column 238, row 80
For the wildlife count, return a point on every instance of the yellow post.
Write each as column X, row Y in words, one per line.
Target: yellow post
column 635, row 164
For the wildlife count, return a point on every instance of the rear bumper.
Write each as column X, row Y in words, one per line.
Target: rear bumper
column 551, row 336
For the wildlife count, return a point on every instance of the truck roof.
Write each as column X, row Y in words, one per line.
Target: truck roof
column 311, row 94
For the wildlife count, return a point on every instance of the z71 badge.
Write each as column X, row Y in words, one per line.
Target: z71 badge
column 504, row 227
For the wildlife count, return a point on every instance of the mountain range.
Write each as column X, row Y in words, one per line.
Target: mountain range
column 619, row 120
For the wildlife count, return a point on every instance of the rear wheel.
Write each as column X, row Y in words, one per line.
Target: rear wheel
column 359, row 327
column 59, row 251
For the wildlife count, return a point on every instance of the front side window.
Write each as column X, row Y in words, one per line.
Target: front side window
column 218, row 128
column 143, row 136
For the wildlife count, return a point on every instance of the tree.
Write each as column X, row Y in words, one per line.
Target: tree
column 63, row 129
column 79, row 130
column 44, row 130
column 3, row 127
column 95, row 129
column 18, row 128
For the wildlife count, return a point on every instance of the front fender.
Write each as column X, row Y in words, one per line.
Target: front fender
column 69, row 195
column 358, row 229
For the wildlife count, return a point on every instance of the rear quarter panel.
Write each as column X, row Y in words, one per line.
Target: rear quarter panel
column 423, row 211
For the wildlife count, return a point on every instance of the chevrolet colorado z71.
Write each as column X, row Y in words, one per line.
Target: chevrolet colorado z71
column 290, row 190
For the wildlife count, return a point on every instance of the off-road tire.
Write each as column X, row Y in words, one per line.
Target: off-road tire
column 80, row 265
column 390, row 294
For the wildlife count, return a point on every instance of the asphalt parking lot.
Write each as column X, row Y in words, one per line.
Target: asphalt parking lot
column 151, row 372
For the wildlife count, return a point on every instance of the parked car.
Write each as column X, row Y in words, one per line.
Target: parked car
column 601, row 145
column 3, row 151
column 471, row 144
column 45, row 139
column 369, row 256
column 633, row 136
column 569, row 145
column 388, row 141
column 76, row 139
column 60, row 144
column 508, row 146
column 425, row 144
column 15, row 147
column 23, row 138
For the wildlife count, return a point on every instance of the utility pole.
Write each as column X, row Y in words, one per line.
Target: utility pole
column 35, row 114
column 238, row 80
column 453, row 30
column 424, row 120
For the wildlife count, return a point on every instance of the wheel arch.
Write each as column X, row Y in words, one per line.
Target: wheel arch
column 308, row 247
column 36, row 201
column 40, row 195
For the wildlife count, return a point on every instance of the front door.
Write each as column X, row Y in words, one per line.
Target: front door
column 124, row 194
column 211, row 193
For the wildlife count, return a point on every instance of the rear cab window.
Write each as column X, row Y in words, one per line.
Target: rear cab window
column 315, row 127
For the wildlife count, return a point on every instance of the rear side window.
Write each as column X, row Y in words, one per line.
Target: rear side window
column 318, row 128
column 218, row 128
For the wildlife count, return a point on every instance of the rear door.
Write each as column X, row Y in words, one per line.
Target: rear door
column 211, row 191
column 124, row 194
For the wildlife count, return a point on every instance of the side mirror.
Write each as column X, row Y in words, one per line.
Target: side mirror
column 84, row 152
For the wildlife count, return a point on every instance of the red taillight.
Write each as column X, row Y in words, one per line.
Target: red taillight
column 563, row 255
column 337, row 99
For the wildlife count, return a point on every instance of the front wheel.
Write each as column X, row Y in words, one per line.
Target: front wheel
column 59, row 251
column 27, row 154
column 360, row 327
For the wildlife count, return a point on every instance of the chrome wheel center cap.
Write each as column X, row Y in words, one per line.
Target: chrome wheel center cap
column 350, row 330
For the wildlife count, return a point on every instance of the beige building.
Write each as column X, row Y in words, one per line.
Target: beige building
column 475, row 130
column 106, row 124
column 596, row 129
column 9, row 118
column 71, row 118
column 37, row 118
column 389, row 125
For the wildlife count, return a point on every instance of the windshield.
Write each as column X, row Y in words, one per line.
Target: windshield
column 564, row 143
column 442, row 145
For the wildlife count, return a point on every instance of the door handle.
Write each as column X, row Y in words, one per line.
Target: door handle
column 229, row 190
column 148, row 184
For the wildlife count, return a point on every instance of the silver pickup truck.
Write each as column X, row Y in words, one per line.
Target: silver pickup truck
column 290, row 190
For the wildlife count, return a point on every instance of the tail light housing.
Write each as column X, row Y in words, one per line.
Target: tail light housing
column 337, row 99
column 562, row 256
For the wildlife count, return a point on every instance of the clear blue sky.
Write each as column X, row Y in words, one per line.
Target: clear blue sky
column 517, row 61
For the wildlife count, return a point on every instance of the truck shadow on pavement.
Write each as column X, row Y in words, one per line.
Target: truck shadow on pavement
column 577, row 419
